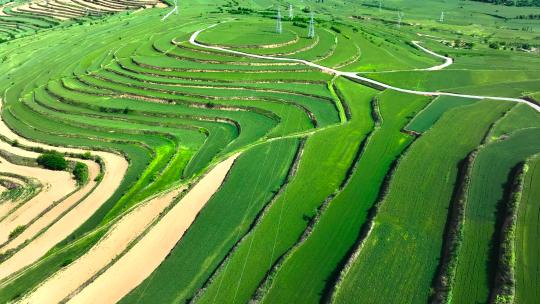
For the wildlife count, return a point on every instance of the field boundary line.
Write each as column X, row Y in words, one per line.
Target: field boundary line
column 266, row 283
column 258, row 218
column 504, row 281
column 443, row 280
column 333, row 288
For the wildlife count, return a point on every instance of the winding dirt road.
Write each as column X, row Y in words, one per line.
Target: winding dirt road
column 447, row 60
column 354, row 75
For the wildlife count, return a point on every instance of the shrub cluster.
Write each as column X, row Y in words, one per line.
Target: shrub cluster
column 80, row 171
column 114, row 110
column 18, row 230
column 335, row 29
column 52, row 161
column 512, row 2
column 241, row 11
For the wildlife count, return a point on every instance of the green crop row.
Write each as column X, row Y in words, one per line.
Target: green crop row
column 289, row 216
column 484, row 210
column 526, row 254
column 309, row 272
column 397, row 261
column 254, row 180
column 433, row 112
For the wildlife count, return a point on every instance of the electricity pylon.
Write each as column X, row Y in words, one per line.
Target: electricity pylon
column 442, row 17
column 400, row 17
column 291, row 14
column 311, row 32
column 279, row 26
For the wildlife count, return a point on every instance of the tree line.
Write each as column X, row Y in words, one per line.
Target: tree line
column 512, row 2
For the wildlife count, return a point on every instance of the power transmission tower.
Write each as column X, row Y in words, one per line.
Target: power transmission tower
column 380, row 6
column 311, row 32
column 176, row 6
column 291, row 14
column 279, row 26
column 442, row 17
column 400, row 17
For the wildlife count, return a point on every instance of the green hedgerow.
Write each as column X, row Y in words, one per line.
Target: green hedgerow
column 80, row 171
column 52, row 161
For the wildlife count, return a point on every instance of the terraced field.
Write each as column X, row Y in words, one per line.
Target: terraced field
column 213, row 152
column 18, row 18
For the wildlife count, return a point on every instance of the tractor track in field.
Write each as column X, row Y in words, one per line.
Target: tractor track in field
column 363, row 80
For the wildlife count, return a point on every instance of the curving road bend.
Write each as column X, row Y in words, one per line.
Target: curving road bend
column 353, row 75
column 447, row 60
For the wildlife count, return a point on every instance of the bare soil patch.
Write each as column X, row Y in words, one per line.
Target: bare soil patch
column 141, row 260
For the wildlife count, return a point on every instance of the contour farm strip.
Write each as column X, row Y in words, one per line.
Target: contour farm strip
column 65, row 282
column 115, row 169
column 138, row 263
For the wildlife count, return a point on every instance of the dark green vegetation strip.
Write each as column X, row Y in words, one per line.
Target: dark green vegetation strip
column 503, row 290
column 312, row 268
column 256, row 176
column 527, row 267
column 411, row 219
column 485, row 208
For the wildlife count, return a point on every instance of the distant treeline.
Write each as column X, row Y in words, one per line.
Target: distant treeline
column 530, row 16
column 512, row 2
column 375, row 5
